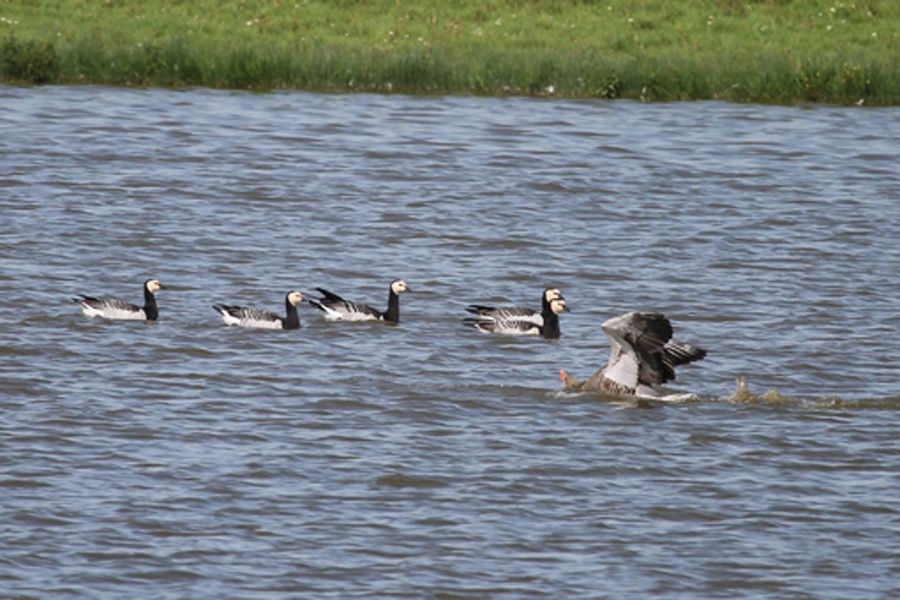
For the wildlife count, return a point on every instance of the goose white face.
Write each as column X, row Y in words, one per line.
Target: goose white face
column 154, row 285
column 399, row 286
column 558, row 305
column 295, row 298
column 552, row 294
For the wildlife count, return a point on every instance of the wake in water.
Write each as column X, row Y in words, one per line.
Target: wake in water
column 741, row 395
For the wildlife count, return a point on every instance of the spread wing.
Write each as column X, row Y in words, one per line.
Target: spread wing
column 679, row 353
column 329, row 296
column 637, row 341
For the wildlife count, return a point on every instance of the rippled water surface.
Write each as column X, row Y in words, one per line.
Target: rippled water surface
column 184, row 459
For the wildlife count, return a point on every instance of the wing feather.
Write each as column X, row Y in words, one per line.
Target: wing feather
column 338, row 309
column 506, row 313
column 329, row 296
column 110, row 308
column 248, row 317
column 506, row 327
column 641, row 337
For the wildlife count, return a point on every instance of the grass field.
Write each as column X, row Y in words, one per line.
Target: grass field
column 777, row 51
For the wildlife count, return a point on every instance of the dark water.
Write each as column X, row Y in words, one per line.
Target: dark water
column 183, row 459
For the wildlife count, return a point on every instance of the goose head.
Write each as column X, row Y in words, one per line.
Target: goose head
column 153, row 285
column 399, row 286
column 552, row 294
column 294, row 298
column 558, row 305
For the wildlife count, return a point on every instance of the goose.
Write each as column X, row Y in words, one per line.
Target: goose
column 517, row 313
column 255, row 318
column 643, row 354
column 119, row 310
column 514, row 320
column 545, row 324
column 338, row 309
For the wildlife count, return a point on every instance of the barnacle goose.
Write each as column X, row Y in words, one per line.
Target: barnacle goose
column 338, row 309
column 518, row 320
column 255, row 318
column 115, row 309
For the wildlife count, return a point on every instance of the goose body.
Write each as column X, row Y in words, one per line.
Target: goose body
column 339, row 309
column 643, row 354
column 518, row 320
column 255, row 318
column 120, row 310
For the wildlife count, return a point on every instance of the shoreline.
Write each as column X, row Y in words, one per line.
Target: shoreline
column 741, row 52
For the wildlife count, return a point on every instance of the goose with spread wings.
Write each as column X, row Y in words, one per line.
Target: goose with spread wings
column 643, row 355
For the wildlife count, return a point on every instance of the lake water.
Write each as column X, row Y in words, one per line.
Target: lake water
column 184, row 459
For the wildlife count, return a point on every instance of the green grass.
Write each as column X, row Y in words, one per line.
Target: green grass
column 779, row 51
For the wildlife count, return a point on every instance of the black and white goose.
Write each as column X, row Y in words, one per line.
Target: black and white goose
column 519, row 313
column 255, row 318
column 643, row 355
column 338, row 309
column 518, row 320
column 119, row 310
column 545, row 324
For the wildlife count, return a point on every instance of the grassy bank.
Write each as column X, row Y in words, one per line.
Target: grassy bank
column 779, row 51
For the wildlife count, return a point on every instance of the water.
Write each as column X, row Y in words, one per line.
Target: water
column 185, row 459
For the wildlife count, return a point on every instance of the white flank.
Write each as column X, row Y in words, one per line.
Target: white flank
column 253, row 324
column 114, row 313
column 334, row 315
column 510, row 327
column 229, row 320
column 251, row 319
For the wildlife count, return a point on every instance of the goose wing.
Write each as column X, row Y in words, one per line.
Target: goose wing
column 111, row 308
column 329, row 296
column 637, row 340
column 679, row 353
column 338, row 309
column 248, row 317
column 355, row 310
column 252, row 314
column 506, row 313
column 507, row 326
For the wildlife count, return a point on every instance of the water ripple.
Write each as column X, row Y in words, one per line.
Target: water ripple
column 427, row 460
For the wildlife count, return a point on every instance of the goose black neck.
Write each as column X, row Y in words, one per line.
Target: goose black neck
column 292, row 320
column 545, row 304
column 392, row 313
column 550, row 329
column 150, row 308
